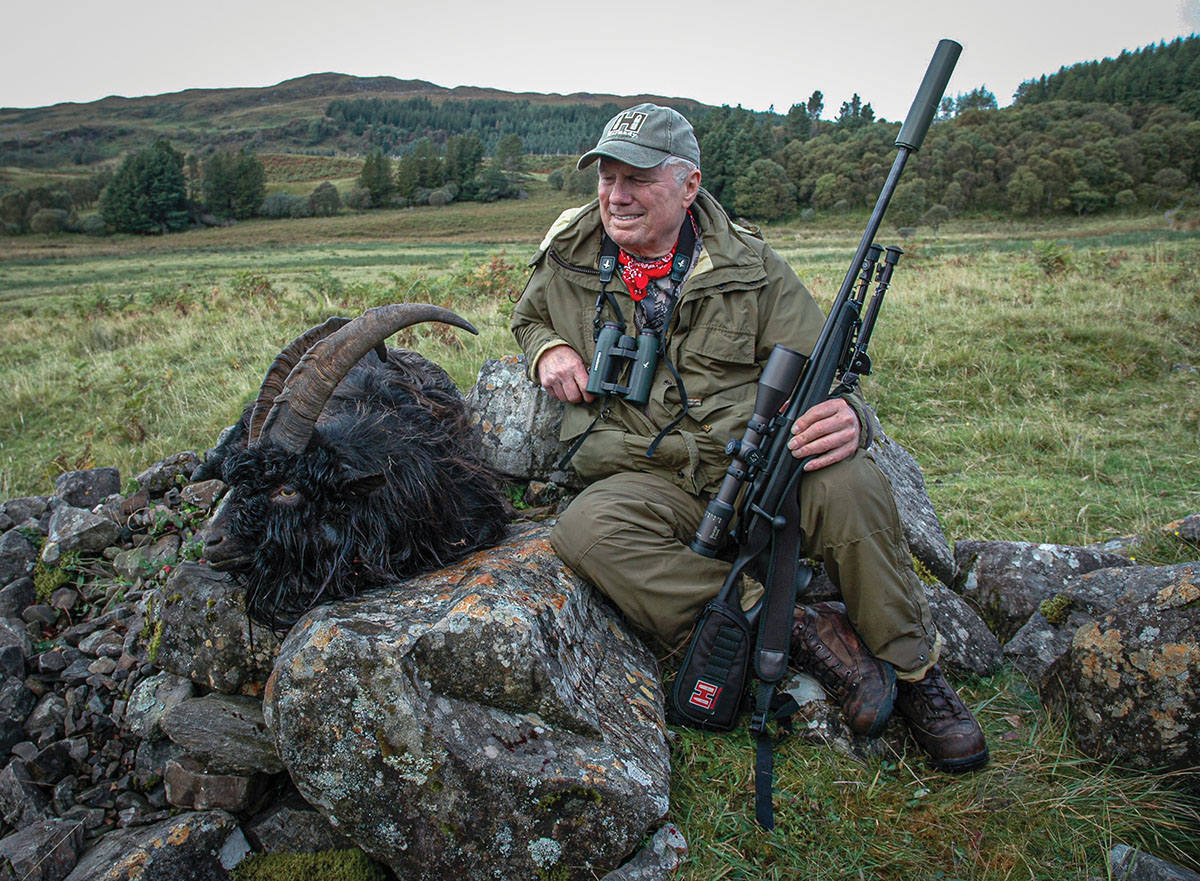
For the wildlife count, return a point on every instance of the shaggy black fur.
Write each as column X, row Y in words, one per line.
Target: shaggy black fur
column 389, row 486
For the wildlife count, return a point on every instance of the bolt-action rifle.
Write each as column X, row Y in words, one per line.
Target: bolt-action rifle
column 768, row 479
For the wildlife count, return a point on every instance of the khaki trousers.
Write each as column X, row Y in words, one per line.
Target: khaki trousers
column 628, row 534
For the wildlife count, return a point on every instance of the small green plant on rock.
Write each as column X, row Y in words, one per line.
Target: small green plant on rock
column 329, row 865
column 47, row 578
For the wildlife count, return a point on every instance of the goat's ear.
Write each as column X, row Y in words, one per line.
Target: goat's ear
column 359, row 484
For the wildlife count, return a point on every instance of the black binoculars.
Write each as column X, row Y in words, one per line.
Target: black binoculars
column 615, row 350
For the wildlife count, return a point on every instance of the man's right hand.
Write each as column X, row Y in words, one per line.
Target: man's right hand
column 563, row 374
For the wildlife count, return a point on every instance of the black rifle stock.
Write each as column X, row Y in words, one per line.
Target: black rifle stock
column 769, row 509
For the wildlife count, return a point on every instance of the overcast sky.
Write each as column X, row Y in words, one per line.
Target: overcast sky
column 758, row 53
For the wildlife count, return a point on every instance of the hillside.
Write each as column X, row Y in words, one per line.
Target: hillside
column 269, row 119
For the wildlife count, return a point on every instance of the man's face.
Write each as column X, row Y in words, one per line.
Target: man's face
column 643, row 208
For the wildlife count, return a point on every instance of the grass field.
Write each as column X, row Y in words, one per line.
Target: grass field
column 1045, row 378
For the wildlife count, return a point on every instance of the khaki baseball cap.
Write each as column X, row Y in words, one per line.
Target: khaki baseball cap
column 643, row 136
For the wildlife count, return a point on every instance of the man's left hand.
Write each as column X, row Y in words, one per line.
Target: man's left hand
column 828, row 431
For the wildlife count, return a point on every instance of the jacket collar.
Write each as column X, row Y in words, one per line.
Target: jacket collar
column 728, row 256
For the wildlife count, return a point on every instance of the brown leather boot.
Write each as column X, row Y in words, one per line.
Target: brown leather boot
column 825, row 646
column 941, row 723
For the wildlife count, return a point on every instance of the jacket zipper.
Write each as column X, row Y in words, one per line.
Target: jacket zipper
column 586, row 270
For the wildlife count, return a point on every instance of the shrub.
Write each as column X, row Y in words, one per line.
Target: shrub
column 93, row 225
column 285, row 205
column 48, row 221
column 325, row 201
column 357, row 199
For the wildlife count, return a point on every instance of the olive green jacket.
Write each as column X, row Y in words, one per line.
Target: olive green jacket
column 739, row 300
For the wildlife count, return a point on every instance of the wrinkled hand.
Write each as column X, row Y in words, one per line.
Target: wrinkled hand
column 563, row 374
column 829, row 431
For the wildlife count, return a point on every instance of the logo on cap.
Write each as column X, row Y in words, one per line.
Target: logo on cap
column 628, row 124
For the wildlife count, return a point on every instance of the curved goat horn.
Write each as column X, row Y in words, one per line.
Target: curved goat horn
column 277, row 373
column 281, row 367
column 293, row 415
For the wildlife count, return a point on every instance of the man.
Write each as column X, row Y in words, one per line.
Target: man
column 719, row 299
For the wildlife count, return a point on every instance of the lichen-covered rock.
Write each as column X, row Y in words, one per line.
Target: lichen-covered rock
column 77, row 529
column 153, row 697
column 518, row 422
column 226, row 733
column 1129, row 864
column 922, row 527
column 489, row 720
column 43, row 851
column 188, row 847
column 1005, row 581
column 17, row 556
column 657, row 860
column 171, row 472
column 818, row 720
column 1039, row 647
column 1187, row 529
column 1133, row 677
column 88, row 488
column 195, row 626
column 968, row 645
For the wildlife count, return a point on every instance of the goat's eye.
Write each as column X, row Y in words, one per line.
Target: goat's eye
column 286, row 493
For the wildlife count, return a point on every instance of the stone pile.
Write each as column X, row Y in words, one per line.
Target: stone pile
column 496, row 716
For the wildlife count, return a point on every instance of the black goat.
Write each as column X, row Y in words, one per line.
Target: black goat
column 349, row 472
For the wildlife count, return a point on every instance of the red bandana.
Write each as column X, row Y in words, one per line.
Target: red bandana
column 638, row 273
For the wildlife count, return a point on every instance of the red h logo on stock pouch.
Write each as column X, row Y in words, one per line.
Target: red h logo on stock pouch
column 705, row 695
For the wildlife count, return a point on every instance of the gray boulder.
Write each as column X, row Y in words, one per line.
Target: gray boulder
column 17, row 556
column 43, row 851
column 292, row 826
column 1005, row 581
column 25, row 509
column 189, row 847
column 969, row 647
column 518, row 423
column 195, row 626
column 922, row 528
column 171, row 472
column 22, row 801
column 657, row 861
column 1129, row 864
column 1132, row 678
column 152, row 698
column 225, row 733
column 1187, row 529
column 18, row 595
column 88, row 488
column 77, row 529
column 489, row 720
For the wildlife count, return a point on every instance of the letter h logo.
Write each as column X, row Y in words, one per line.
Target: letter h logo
column 705, row 695
column 628, row 124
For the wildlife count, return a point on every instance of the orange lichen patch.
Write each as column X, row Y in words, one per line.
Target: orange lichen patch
column 1172, row 659
column 464, row 605
column 323, row 638
column 134, row 865
column 1167, row 724
column 532, row 546
column 1182, row 593
column 484, row 580
column 1122, row 709
column 179, row 835
column 1103, row 652
column 558, row 600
